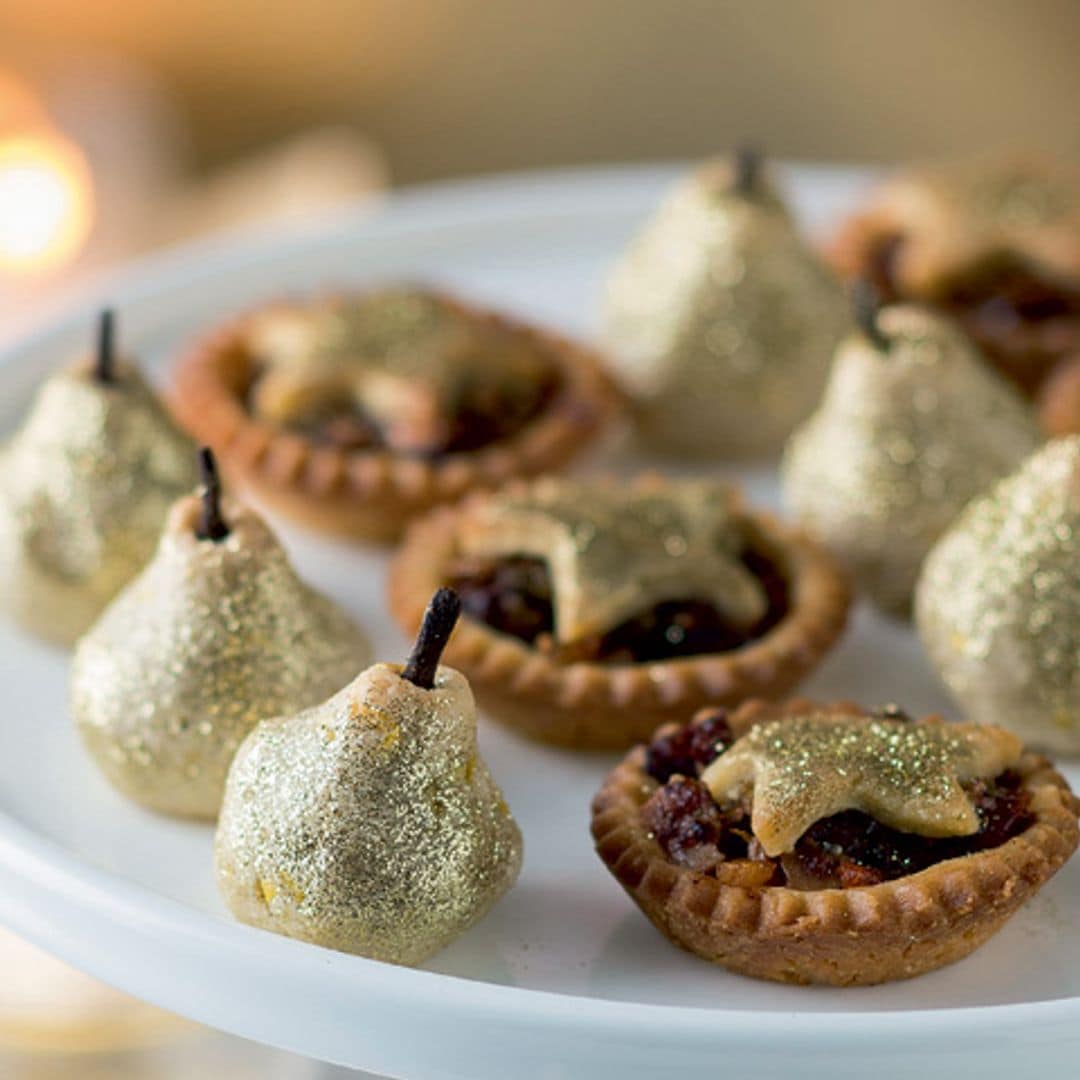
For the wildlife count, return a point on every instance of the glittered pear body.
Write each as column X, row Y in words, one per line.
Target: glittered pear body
column 722, row 322
column 85, row 487
column 902, row 441
column 369, row 823
column 210, row 639
column 998, row 602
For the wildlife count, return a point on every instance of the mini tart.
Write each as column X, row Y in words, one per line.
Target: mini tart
column 995, row 245
column 734, row 914
column 372, row 492
column 606, row 704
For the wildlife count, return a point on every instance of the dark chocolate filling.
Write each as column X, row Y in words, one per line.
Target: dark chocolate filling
column 843, row 851
column 514, row 596
column 1023, row 324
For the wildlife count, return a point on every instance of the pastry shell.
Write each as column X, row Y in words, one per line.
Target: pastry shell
column 591, row 705
column 371, row 494
column 841, row 937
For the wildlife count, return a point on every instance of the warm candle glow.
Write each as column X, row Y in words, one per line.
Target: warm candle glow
column 46, row 202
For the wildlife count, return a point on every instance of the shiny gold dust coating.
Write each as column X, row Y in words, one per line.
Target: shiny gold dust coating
column 210, row 639
column 964, row 214
column 903, row 439
column 614, row 551
column 408, row 359
column 85, row 486
column 370, row 823
column 906, row 775
column 721, row 321
column 998, row 603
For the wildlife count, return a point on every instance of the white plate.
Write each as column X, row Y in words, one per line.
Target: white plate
column 565, row 978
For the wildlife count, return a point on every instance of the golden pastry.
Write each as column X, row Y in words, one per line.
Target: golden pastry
column 998, row 603
column 813, row 843
column 721, row 320
column 85, row 485
column 596, row 610
column 354, row 413
column 911, row 427
column 993, row 244
column 370, row 823
column 216, row 634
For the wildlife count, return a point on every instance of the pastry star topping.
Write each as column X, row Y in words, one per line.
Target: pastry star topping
column 613, row 552
column 963, row 214
column 407, row 359
column 906, row 775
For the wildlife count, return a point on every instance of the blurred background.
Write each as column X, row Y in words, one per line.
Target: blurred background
column 178, row 119
column 133, row 124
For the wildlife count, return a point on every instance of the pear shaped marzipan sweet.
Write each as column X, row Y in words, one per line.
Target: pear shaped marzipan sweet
column 370, row 824
column 85, row 485
column 217, row 633
column 912, row 426
column 998, row 602
column 722, row 322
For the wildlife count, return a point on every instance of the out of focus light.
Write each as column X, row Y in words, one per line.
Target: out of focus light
column 46, row 202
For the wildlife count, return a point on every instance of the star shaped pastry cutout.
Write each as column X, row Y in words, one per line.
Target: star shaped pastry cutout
column 614, row 552
column 906, row 775
column 405, row 358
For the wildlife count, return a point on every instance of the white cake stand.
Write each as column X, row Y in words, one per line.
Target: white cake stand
column 565, row 978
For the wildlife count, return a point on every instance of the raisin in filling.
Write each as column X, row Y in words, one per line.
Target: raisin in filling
column 484, row 416
column 514, row 596
column 846, row 850
column 1024, row 324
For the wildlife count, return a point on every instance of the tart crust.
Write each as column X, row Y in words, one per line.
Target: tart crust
column 371, row 494
column 592, row 705
column 841, row 937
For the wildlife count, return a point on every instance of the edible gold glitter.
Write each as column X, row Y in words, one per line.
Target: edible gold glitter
column 614, row 551
column 998, row 604
column 390, row 849
column 722, row 322
column 406, row 358
column 903, row 439
column 85, row 486
column 906, row 775
column 210, row 639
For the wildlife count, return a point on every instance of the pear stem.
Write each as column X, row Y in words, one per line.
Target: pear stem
column 747, row 169
column 866, row 301
column 105, row 358
column 211, row 525
column 439, row 621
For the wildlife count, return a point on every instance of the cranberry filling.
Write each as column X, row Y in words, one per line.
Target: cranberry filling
column 846, row 850
column 1023, row 323
column 514, row 596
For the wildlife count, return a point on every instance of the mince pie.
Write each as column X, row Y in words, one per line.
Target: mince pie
column 996, row 246
column 356, row 412
column 597, row 609
column 813, row 843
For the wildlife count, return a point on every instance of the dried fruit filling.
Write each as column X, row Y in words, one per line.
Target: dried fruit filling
column 846, row 850
column 514, row 596
column 483, row 417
